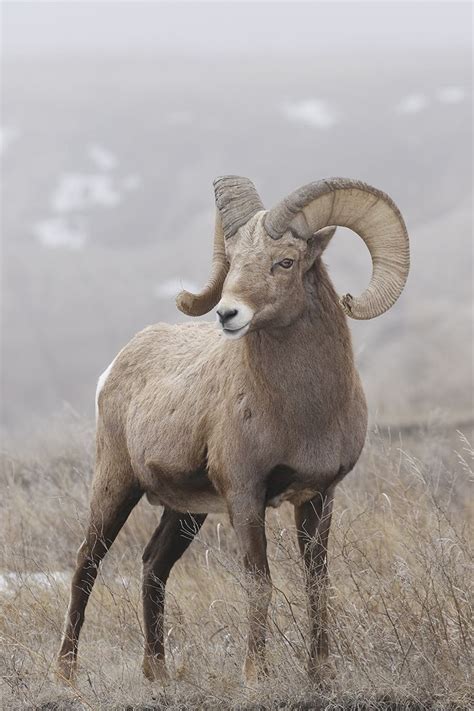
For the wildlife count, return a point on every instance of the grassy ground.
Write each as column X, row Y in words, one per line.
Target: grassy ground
column 399, row 618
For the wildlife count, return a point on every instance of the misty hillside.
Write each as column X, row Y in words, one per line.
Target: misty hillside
column 107, row 169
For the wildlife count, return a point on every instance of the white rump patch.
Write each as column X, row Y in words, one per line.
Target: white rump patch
column 313, row 112
column 100, row 385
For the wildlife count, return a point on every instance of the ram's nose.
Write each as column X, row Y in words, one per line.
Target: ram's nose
column 226, row 314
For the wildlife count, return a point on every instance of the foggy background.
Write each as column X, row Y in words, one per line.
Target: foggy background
column 115, row 119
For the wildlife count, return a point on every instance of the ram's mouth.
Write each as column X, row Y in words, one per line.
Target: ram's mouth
column 235, row 333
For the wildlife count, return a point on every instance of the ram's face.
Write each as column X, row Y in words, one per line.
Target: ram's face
column 264, row 286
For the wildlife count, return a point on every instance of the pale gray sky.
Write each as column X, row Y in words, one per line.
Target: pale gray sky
column 268, row 27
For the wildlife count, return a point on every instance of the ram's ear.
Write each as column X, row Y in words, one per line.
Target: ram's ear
column 321, row 239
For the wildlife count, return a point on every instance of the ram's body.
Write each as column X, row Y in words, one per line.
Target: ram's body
column 187, row 404
column 202, row 424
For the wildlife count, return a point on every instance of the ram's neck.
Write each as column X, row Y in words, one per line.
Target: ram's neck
column 313, row 354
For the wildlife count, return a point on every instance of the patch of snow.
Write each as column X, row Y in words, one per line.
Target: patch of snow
column 451, row 94
column 57, row 232
column 102, row 158
column 77, row 191
column 171, row 287
column 8, row 134
column 102, row 192
column 412, row 104
column 312, row 112
column 9, row 581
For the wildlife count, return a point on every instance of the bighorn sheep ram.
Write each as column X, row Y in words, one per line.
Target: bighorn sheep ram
column 268, row 408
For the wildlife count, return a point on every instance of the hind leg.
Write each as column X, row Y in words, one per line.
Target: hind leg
column 313, row 521
column 168, row 543
column 114, row 495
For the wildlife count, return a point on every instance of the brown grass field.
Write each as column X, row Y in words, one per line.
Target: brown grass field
column 399, row 613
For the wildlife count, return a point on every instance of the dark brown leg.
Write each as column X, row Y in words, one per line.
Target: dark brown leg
column 168, row 543
column 313, row 521
column 248, row 520
column 109, row 511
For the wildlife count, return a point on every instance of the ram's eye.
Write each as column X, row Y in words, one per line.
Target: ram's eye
column 286, row 263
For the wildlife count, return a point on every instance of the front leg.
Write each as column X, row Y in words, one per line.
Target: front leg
column 247, row 514
column 313, row 521
column 170, row 540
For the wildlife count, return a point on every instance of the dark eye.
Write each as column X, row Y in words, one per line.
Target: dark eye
column 286, row 263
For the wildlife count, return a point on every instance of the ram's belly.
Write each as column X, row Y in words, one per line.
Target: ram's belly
column 191, row 492
column 189, row 503
column 194, row 492
column 201, row 502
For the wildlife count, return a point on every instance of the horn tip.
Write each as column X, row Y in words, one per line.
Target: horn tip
column 185, row 303
column 346, row 303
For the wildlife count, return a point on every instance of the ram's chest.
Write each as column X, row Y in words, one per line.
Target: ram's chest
column 319, row 446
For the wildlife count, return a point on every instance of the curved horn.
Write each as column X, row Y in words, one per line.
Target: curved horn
column 237, row 201
column 200, row 304
column 365, row 210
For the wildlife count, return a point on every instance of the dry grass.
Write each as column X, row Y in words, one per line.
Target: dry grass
column 399, row 606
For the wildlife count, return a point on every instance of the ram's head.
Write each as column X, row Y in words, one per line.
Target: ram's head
column 261, row 257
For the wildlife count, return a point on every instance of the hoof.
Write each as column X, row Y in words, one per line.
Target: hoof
column 66, row 668
column 155, row 669
column 321, row 672
column 254, row 672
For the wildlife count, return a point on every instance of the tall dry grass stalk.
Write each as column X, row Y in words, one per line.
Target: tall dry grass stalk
column 399, row 605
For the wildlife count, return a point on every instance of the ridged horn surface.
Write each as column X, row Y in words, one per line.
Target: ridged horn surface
column 370, row 213
column 237, row 201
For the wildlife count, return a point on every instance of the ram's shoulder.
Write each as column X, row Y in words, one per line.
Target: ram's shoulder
column 159, row 350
